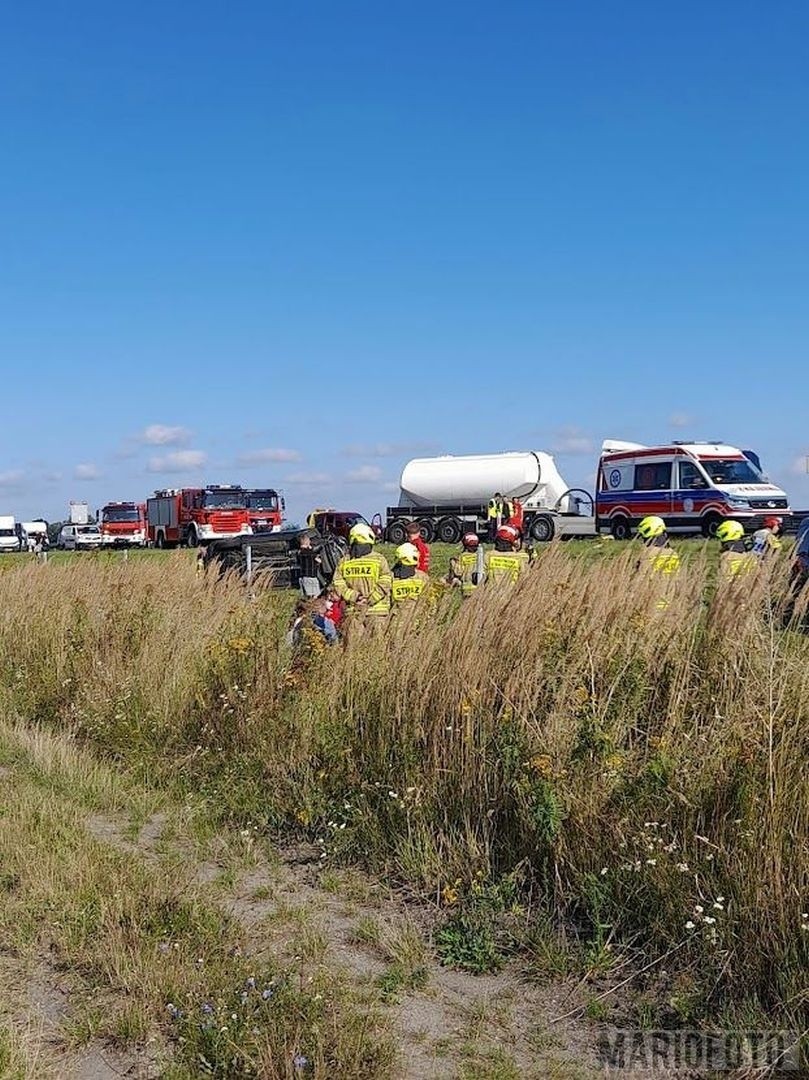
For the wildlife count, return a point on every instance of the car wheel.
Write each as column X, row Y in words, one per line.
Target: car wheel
column 620, row 528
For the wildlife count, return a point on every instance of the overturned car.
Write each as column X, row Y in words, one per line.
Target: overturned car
column 290, row 559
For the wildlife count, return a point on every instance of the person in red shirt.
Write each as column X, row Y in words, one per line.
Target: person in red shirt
column 414, row 537
column 517, row 517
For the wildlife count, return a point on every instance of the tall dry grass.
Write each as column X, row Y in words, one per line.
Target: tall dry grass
column 642, row 768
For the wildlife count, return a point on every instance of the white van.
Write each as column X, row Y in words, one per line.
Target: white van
column 9, row 538
column 80, row 537
column 692, row 486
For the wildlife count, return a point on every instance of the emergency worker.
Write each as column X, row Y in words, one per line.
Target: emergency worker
column 508, row 560
column 415, row 538
column 767, row 540
column 494, row 515
column 463, row 568
column 362, row 581
column 408, row 582
column 735, row 560
column 661, row 560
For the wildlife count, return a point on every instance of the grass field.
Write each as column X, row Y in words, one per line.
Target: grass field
column 567, row 774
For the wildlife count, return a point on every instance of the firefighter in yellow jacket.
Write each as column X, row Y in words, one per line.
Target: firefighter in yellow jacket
column 407, row 583
column 363, row 581
column 508, row 560
column 463, row 568
column 661, row 558
column 735, row 561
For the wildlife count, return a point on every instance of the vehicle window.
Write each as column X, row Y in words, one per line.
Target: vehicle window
column 690, row 476
column 653, row 477
column 731, row 471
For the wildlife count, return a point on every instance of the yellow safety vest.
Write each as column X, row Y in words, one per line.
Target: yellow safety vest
column 407, row 590
column 664, row 561
column 368, row 576
column 733, row 564
column 505, row 565
column 467, row 564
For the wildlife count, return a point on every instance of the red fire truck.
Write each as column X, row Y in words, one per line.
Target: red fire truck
column 123, row 524
column 266, row 508
column 193, row 516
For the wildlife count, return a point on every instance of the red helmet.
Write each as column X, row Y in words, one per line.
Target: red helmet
column 470, row 541
column 509, row 534
column 773, row 522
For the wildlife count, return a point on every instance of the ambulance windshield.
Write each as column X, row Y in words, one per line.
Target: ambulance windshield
column 730, row 471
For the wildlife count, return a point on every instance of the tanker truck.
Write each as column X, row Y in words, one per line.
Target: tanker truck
column 448, row 497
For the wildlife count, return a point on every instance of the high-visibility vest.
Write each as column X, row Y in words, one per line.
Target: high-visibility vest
column 664, row 561
column 734, row 564
column 465, row 569
column 367, row 576
column 408, row 590
column 505, row 565
column 495, row 508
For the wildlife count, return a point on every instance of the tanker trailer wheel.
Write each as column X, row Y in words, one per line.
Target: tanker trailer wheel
column 542, row 528
column 397, row 533
column 427, row 530
column 449, row 531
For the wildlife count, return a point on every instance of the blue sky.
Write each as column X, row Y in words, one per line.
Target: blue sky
column 294, row 245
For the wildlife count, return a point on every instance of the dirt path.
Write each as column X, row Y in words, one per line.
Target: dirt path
column 447, row 1023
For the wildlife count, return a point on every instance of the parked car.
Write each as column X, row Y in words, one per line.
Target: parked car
column 340, row 522
column 80, row 537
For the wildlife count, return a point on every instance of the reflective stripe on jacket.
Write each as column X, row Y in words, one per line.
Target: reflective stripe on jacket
column 367, row 576
column 408, row 590
column 505, row 565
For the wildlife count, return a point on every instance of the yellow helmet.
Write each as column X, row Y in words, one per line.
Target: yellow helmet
column 407, row 555
column 651, row 527
column 361, row 534
column 730, row 530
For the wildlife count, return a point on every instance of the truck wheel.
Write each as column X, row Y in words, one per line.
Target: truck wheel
column 192, row 540
column 397, row 533
column 621, row 529
column 542, row 528
column 710, row 523
column 427, row 530
column 448, row 531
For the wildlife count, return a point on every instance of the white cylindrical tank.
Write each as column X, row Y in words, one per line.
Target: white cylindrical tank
column 471, row 479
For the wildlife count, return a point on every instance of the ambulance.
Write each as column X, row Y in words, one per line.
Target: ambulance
column 693, row 486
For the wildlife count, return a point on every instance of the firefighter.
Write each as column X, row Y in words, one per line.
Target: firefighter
column 508, row 560
column 363, row 581
column 662, row 561
column 767, row 540
column 408, row 582
column 735, row 560
column 517, row 515
column 463, row 568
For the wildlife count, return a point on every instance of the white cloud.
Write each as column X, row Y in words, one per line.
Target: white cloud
column 308, row 478
column 164, row 435
column 86, row 471
column 260, row 457
column 177, row 462
column 680, row 420
column 11, row 479
column 365, row 474
column 572, row 441
column 385, row 450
